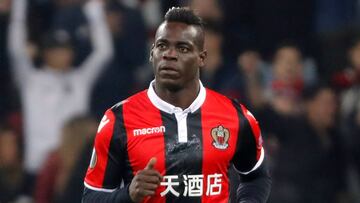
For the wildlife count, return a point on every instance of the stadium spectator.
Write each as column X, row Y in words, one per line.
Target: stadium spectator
column 217, row 70
column 287, row 79
column 7, row 101
column 55, row 174
column 75, row 186
column 11, row 170
column 56, row 91
column 350, row 109
column 323, row 146
column 129, row 35
column 321, row 160
column 247, row 81
column 350, row 75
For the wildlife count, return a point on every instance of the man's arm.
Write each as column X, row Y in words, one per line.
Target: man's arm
column 143, row 184
column 248, row 161
column 17, row 37
column 118, row 196
column 107, row 167
column 255, row 186
column 101, row 41
column 106, row 170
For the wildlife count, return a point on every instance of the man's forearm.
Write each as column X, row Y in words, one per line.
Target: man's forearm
column 101, row 41
column 254, row 187
column 17, row 37
column 118, row 196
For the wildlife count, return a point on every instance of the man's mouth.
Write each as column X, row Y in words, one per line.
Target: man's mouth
column 168, row 69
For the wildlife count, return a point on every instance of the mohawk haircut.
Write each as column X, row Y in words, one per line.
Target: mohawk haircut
column 187, row 16
column 183, row 15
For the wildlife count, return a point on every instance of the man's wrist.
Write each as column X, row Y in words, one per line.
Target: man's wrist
column 128, row 193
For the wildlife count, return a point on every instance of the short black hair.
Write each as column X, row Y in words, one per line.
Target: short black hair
column 312, row 91
column 57, row 38
column 183, row 15
column 288, row 43
column 189, row 17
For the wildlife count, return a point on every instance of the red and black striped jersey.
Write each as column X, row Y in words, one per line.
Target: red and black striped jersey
column 194, row 147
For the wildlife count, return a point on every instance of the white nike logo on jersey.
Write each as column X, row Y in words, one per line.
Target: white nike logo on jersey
column 103, row 122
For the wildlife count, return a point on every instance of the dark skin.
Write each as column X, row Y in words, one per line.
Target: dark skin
column 177, row 56
column 145, row 182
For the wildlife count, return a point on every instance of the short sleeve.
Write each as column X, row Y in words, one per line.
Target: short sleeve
column 249, row 153
column 104, row 171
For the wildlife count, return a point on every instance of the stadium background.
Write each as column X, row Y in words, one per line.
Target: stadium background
column 294, row 64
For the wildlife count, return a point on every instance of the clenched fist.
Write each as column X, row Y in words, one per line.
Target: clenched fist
column 145, row 182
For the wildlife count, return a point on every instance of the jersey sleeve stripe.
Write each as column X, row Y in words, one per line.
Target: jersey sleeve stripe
column 249, row 144
column 116, row 155
column 96, row 173
column 107, row 169
column 98, row 189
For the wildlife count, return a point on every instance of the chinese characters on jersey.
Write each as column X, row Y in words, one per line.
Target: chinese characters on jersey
column 193, row 185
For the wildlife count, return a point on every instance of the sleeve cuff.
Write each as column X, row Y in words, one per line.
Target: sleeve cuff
column 257, row 165
column 98, row 189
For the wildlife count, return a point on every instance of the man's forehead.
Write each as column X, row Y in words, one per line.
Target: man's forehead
column 176, row 31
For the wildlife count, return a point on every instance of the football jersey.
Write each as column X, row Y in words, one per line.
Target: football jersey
column 194, row 147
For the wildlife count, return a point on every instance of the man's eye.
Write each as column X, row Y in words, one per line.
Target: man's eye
column 161, row 46
column 183, row 49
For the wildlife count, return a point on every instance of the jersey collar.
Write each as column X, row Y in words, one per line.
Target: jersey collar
column 169, row 108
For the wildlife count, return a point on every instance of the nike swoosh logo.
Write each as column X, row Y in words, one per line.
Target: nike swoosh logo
column 103, row 122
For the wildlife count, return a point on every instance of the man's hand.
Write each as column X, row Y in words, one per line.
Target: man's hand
column 145, row 182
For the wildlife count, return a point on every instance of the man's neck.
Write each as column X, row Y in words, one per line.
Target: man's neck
column 182, row 98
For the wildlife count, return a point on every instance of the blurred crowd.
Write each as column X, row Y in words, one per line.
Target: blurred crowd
column 294, row 64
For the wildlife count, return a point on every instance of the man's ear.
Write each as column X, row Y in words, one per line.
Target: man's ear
column 151, row 52
column 202, row 57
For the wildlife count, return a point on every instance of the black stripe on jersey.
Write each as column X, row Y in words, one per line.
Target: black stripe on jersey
column 234, row 181
column 118, row 160
column 183, row 158
column 245, row 154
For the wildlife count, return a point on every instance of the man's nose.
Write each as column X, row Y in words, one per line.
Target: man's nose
column 170, row 54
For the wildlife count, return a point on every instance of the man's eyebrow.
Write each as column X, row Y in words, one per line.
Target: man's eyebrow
column 184, row 43
column 167, row 39
column 161, row 40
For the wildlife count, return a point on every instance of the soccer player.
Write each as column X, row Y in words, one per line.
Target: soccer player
column 177, row 140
